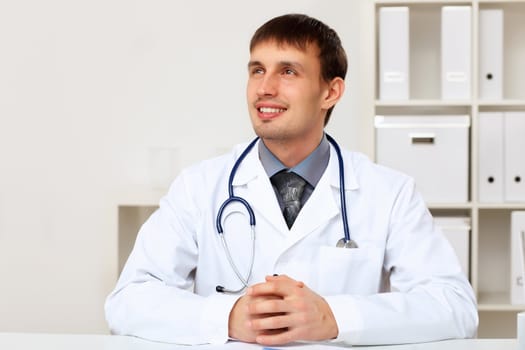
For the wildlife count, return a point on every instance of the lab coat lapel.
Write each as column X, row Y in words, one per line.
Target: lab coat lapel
column 324, row 203
column 252, row 183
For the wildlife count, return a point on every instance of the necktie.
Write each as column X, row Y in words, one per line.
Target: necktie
column 290, row 186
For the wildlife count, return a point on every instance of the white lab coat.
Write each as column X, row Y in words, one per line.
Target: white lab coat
column 403, row 284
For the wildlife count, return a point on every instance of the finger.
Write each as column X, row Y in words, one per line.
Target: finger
column 283, row 278
column 271, row 331
column 278, row 338
column 277, row 278
column 268, row 306
column 280, row 287
column 270, row 323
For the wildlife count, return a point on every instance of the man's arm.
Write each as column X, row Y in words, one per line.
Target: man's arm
column 430, row 300
column 154, row 296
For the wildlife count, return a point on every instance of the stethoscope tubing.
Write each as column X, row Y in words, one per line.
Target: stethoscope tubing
column 231, row 196
column 342, row 192
column 345, row 242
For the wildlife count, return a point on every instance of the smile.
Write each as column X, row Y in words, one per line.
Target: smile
column 271, row 110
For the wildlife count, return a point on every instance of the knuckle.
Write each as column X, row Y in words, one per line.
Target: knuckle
column 288, row 337
column 252, row 308
column 255, row 325
column 275, row 322
column 301, row 305
column 274, row 305
column 303, row 318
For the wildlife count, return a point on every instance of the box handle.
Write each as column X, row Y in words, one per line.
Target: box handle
column 422, row 139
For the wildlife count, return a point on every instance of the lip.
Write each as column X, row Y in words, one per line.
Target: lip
column 271, row 110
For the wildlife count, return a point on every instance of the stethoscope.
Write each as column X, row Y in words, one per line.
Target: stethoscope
column 344, row 242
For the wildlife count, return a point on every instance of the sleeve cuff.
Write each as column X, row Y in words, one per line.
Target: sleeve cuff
column 348, row 318
column 215, row 316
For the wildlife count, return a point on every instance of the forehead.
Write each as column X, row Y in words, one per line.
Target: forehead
column 278, row 50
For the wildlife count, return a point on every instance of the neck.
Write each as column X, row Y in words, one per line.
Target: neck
column 292, row 153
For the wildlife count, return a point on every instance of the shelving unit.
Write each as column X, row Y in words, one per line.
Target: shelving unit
column 490, row 223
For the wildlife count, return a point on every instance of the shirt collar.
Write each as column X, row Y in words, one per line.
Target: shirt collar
column 311, row 168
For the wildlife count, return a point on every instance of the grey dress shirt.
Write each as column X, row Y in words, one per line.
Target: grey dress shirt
column 311, row 168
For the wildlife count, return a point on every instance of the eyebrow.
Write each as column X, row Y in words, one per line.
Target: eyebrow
column 280, row 63
column 254, row 63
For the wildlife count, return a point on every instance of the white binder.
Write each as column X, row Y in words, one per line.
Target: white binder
column 490, row 54
column 491, row 156
column 393, row 53
column 517, row 291
column 514, row 144
column 456, row 52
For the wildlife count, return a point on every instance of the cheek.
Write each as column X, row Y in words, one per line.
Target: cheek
column 251, row 88
column 312, row 99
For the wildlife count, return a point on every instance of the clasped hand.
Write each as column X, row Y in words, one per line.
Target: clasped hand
column 279, row 311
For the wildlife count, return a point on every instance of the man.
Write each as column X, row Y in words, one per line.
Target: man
column 402, row 283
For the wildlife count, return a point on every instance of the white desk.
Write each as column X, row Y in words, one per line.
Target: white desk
column 33, row 341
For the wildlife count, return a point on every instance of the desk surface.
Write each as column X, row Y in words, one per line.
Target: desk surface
column 34, row 341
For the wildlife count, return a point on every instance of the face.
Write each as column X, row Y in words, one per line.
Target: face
column 287, row 98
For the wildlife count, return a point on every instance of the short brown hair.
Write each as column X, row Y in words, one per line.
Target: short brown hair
column 301, row 30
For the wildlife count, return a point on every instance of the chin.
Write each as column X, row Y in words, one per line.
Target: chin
column 267, row 134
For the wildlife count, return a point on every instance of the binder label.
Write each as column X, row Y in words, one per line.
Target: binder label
column 456, row 77
column 394, row 77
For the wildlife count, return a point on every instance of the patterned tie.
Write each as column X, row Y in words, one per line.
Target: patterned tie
column 290, row 186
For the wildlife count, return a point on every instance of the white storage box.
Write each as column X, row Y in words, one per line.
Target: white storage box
column 434, row 150
column 457, row 231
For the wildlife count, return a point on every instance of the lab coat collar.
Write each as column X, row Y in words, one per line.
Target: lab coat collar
column 252, row 183
column 350, row 173
column 259, row 192
column 324, row 204
column 251, row 167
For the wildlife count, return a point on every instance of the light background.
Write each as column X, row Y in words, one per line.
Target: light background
column 90, row 91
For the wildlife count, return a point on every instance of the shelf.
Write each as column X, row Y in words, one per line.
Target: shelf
column 502, row 103
column 497, row 302
column 500, row 1
column 445, row 2
column 490, row 234
column 448, row 103
column 509, row 206
column 420, row 2
column 449, row 206
column 423, row 103
column 140, row 196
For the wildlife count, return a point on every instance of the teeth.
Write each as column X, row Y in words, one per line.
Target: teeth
column 271, row 110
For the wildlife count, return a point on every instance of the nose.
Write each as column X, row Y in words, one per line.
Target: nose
column 268, row 86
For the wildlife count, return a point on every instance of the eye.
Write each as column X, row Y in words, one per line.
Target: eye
column 257, row 70
column 289, row 71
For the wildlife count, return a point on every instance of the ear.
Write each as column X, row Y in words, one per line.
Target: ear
column 334, row 92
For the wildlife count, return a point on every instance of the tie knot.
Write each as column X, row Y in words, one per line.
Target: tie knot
column 289, row 185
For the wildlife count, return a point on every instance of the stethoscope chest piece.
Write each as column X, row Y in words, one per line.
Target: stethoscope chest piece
column 343, row 243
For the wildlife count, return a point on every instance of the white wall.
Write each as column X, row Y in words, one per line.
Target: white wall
column 87, row 89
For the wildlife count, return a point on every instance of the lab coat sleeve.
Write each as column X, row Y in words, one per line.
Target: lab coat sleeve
column 153, row 298
column 430, row 297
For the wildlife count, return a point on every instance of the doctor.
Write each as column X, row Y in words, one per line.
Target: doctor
column 398, row 281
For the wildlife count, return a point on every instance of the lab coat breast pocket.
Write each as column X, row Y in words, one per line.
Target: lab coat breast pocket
column 350, row 270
